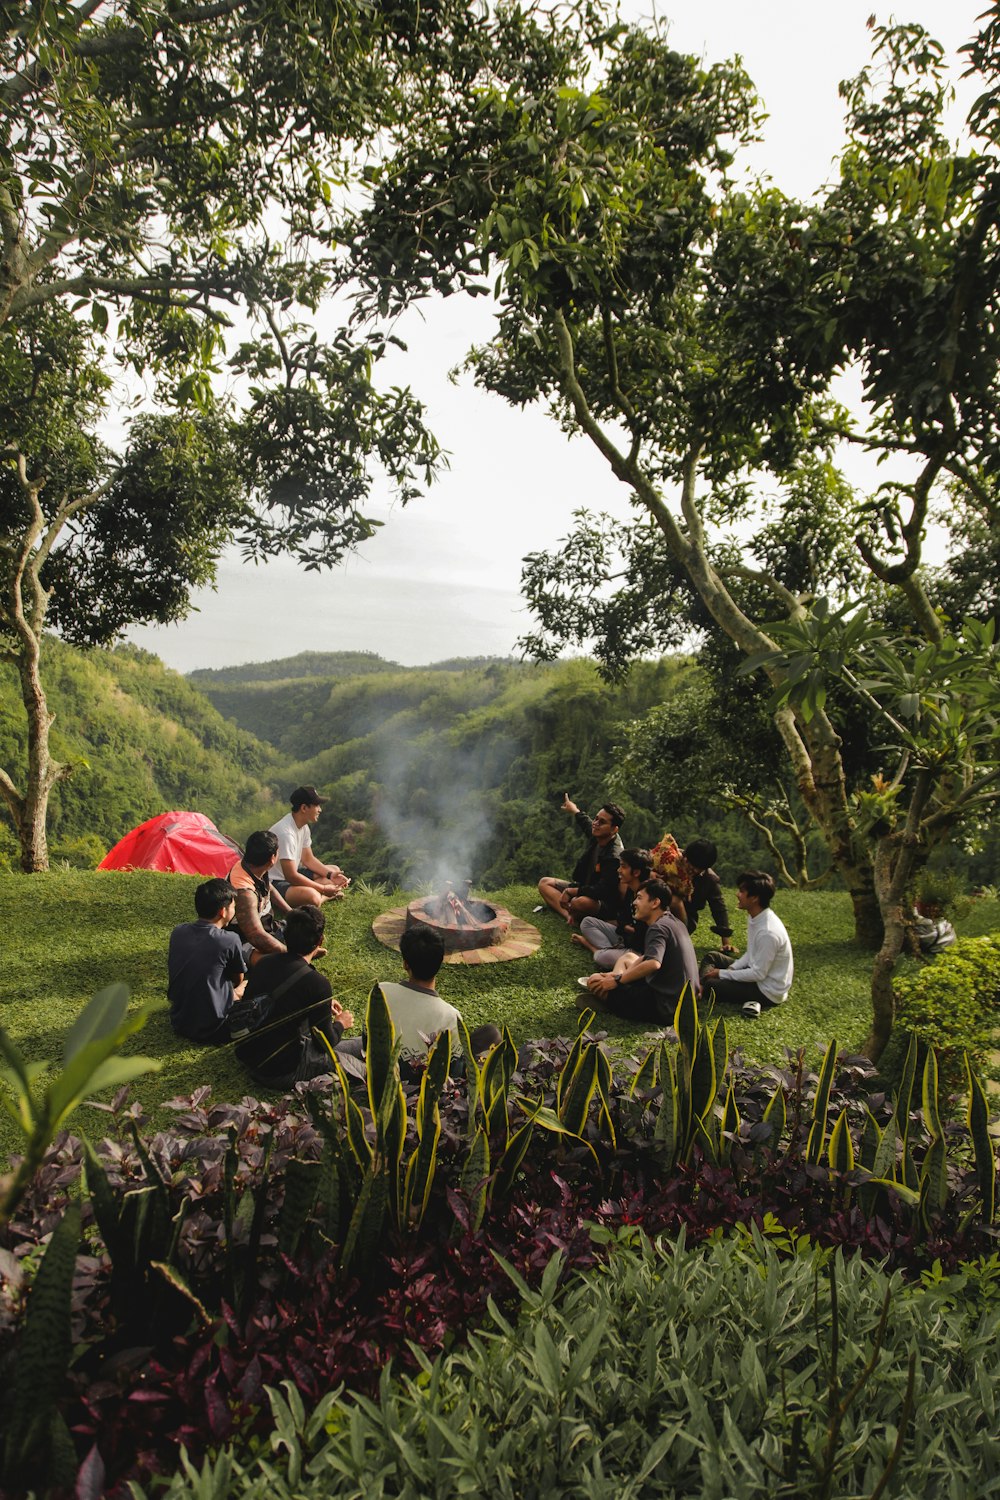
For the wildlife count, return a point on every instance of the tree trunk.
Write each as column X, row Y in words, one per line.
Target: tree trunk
column 29, row 811
column 883, row 999
column 23, row 612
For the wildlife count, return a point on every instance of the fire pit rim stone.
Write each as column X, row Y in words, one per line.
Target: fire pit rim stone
column 458, row 938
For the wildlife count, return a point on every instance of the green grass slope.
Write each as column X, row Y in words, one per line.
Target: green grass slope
column 69, row 934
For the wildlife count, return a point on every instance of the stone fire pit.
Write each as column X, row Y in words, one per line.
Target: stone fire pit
column 461, row 924
column 473, row 931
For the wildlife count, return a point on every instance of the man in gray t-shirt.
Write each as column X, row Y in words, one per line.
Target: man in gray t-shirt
column 205, row 966
column 647, row 986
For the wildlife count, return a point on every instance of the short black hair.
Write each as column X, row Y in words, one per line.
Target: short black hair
column 614, row 812
column 759, row 884
column 658, row 890
column 422, row 951
column 304, row 929
column 260, row 846
column 701, row 854
column 211, row 896
column 637, row 859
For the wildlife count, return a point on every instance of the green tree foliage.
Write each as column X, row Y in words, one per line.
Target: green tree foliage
column 691, row 330
column 163, row 172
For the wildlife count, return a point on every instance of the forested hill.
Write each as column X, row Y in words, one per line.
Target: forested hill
column 432, row 771
column 455, row 769
column 306, row 664
column 324, row 664
column 142, row 740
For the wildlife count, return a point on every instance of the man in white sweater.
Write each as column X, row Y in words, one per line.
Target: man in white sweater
column 763, row 974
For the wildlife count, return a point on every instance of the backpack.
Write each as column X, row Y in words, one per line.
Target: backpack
column 248, row 1016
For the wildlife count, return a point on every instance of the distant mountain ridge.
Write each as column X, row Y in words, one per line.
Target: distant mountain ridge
column 326, row 664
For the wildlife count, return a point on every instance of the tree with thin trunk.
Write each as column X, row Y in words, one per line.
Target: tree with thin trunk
column 691, row 329
column 168, row 174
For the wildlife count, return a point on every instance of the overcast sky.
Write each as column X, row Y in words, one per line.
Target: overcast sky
column 441, row 578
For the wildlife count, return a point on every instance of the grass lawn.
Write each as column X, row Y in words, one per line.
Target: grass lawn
column 67, row 934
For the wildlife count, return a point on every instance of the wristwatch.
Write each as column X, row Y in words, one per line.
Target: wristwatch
column 618, row 979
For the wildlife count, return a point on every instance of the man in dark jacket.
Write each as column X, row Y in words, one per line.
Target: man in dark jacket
column 289, row 1047
column 593, row 889
column 701, row 855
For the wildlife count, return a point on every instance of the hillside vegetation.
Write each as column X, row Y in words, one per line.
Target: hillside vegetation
column 142, row 740
column 455, row 769
column 433, row 772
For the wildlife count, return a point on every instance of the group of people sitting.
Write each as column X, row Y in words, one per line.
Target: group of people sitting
column 244, row 970
column 251, row 953
column 637, row 910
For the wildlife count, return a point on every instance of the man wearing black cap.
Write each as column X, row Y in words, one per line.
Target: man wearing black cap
column 299, row 876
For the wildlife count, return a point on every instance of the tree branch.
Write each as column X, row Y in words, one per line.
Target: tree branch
column 795, row 603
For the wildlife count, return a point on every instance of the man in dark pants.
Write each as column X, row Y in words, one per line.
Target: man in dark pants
column 647, row 986
column 593, row 889
column 284, row 1050
column 762, row 976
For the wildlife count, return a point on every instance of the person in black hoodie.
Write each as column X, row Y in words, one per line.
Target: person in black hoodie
column 289, row 1046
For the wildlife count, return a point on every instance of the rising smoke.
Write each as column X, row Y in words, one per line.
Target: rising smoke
column 433, row 807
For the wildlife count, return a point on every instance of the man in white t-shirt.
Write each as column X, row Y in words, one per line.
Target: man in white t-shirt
column 299, row 877
column 763, row 974
column 417, row 1010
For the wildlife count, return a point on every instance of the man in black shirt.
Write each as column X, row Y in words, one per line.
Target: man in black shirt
column 284, row 1051
column 706, row 890
column 593, row 889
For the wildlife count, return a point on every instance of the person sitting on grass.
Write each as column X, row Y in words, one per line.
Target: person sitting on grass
column 256, row 901
column 706, row 890
column 763, row 974
column 205, row 967
column 608, row 940
column 301, row 879
column 593, row 890
column 417, row 1010
column 289, row 1047
column 646, row 986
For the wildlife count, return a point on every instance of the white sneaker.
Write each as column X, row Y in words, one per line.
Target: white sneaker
column 752, row 1010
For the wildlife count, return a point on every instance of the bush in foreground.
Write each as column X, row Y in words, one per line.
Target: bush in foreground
column 754, row 1367
column 315, row 1240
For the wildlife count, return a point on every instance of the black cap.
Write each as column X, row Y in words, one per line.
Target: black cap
column 305, row 796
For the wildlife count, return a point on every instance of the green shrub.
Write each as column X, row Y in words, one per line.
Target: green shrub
column 951, row 1004
column 82, row 853
column 737, row 1371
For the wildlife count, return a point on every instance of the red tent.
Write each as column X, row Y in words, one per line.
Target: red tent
column 186, row 842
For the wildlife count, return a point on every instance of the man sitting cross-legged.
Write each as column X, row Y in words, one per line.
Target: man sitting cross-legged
column 284, row 1050
column 417, row 1010
column 608, row 940
column 301, row 879
column 647, row 986
column 205, row 967
column 593, row 890
column 763, row 974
